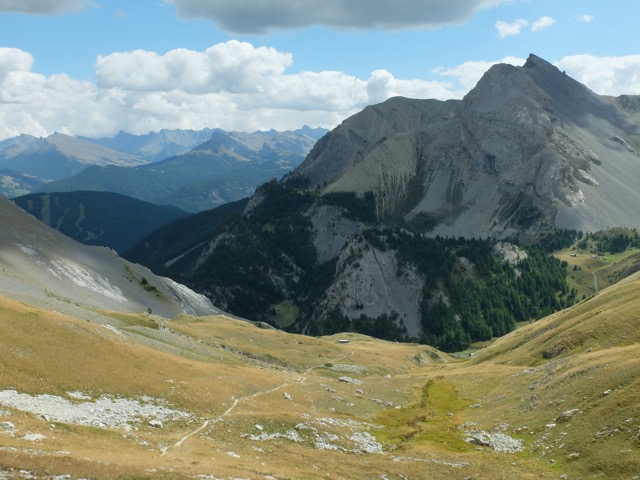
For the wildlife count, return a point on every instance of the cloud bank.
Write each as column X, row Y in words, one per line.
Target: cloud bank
column 234, row 86
column 249, row 16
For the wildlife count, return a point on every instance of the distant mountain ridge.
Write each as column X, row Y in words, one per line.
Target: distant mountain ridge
column 227, row 167
column 27, row 162
column 57, row 156
column 154, row 146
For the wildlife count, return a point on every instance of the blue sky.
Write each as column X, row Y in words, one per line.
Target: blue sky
column 94, row 67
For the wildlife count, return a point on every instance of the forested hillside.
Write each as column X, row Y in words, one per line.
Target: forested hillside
column 265, row 264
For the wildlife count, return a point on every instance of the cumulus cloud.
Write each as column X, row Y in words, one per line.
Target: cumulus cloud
column 506, row 29
column 542, row 23
column 249, row 16
column 605, row 75
column 468, row 74
column 232, row 85
column 233, row 67
column 45, row 7
column 14, row 60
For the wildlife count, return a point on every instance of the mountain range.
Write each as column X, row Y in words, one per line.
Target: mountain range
column 227, row 167
column 93, row 385
column 202, row 169
column 354, row 238
column 110, row 371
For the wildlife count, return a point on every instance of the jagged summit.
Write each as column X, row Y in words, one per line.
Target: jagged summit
column 527, row 150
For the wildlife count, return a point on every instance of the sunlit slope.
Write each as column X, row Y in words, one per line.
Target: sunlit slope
column 238, row 402
column 139, row 396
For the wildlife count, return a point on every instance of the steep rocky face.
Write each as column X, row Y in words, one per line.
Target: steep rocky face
column 527, row 150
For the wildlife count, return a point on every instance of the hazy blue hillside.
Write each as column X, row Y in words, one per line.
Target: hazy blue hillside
column 98, row 218
column 227, row 167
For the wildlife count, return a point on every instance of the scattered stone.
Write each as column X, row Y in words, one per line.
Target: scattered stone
column 33, row 437
column 103, row 412
column 7, row 427
column 573, row 456
column 359, row 391
column 550, row 425
column 287, row 396
column 330, row 390
column 378, row 401
column 78, row 396
column 350, row 380
column 567, row 415
column 347, row 367
column 259, row 427
column 475, row 405
column 155, row 424
column 500, row 442
column 606, row 392
column 233, row 454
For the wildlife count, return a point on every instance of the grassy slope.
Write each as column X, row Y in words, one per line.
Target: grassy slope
column 232, row 377
column 608, row 269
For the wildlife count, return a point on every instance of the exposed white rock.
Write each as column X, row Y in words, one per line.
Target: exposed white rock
column 103, row 412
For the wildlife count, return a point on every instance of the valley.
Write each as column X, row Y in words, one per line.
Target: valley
column 556, row 397
column 432, row 290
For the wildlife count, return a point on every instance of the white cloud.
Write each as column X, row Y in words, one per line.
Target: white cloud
column 542, row 23
column 506, row 29
column 234, row 86
column 468, row 74
column 45, row 7
column 14, row 60
column 234, row 66
column 605, row 75
column 585, row 18
column 231, row 85
column 249, row 16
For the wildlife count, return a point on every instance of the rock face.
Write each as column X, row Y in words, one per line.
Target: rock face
column 528, row 149
column 42, row 266
column 367, row 283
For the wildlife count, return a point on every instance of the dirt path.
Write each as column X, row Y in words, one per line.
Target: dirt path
column 237, row 401
column 221, row 417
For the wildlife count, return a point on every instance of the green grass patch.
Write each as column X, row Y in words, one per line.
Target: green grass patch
column 135, row 320
column 432, row 419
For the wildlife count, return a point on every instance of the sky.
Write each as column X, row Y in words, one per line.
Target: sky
column 97, row 67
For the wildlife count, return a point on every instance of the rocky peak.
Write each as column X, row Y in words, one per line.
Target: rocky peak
column 527, row 149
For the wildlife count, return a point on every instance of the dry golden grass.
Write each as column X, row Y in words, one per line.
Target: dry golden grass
column 232, row 377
